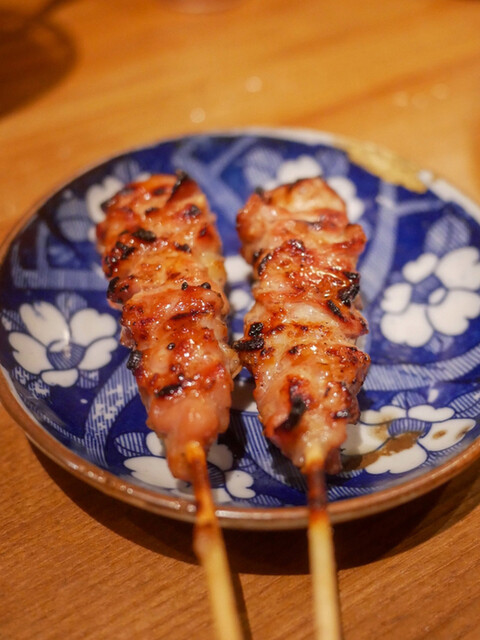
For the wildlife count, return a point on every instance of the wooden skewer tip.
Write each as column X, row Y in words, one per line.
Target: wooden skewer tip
column 210, row 550
column 322, row 554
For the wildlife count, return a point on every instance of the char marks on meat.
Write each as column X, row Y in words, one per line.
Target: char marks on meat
column 162, row 254
column 300, row 335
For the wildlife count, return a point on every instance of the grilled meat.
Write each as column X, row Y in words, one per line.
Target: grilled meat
column 161, row 253
column 300, row 335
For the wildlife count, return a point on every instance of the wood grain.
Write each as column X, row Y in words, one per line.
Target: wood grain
column 90, row 78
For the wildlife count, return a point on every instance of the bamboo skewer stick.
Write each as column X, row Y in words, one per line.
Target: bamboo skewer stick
column 209, row 547
column 326, row 604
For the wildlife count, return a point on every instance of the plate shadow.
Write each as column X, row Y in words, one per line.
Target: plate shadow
column 282, row 552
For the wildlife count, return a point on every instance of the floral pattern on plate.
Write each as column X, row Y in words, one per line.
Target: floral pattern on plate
column 62, row 350
column 59, row 344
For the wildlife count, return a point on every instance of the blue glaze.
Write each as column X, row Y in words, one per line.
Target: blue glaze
column 59, row 338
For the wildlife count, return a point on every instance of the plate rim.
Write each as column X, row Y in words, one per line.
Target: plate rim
column 230, row 516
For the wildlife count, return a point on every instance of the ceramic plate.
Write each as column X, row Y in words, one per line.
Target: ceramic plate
column 64, row 374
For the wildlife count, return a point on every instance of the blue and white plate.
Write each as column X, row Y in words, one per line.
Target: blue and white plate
column 64, row 374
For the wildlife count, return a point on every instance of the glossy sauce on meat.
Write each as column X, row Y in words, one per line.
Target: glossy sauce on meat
column 300, row 335
column 161, row 253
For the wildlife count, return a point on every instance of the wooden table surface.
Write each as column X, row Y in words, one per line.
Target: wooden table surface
column 83, row 79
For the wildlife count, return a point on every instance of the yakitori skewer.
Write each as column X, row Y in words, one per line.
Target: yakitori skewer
column 161, row 253
column 322, row 552
column 299, row 345
column 210, row 550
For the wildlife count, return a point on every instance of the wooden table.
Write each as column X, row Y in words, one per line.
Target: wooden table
column 88, row 78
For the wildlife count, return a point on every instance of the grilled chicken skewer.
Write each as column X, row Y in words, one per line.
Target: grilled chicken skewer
column 161, row 253
column 299, row 343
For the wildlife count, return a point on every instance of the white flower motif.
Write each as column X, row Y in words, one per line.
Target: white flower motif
column 58, row 350
column 154, row 470
column 238, row 269
column 292, row 170
column 97, row 194
column 374, row 431
column 240, row 300
column 307, row 167
column 239, row 484
column 438, row 294
column 347, row 190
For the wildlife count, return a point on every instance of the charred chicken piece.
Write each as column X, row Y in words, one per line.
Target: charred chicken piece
column 161, row 253
column 300, row 335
